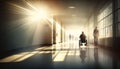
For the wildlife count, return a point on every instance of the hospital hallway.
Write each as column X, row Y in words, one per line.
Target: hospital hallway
column 62, row 56
column 59, row 34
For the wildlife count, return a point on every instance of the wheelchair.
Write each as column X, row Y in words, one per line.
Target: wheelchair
column 81, row 42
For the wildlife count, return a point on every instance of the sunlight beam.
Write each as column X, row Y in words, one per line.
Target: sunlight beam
column 60, row 57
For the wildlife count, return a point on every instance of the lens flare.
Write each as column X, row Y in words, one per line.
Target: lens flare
column 38, row 15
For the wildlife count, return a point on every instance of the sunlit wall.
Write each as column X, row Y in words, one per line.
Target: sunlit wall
column 58, row 31
column 43, row 33
column 90, row 29
column 21, row 26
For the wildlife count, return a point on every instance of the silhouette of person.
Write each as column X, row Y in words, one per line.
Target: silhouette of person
column 83, row 38
column 96, row 35
column 70, row 36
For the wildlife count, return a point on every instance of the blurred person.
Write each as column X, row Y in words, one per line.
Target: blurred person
column 83, row 39
column 96, row 35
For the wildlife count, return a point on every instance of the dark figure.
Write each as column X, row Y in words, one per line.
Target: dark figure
column 70, row 36
column 83, row 39
column 96, row 35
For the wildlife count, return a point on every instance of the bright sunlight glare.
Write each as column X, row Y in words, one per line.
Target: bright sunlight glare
column 38, row 15
column 35, row 14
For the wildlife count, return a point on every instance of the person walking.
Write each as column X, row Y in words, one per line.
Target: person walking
column 96, row 35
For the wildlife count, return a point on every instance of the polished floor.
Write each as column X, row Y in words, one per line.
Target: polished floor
column 61, row 56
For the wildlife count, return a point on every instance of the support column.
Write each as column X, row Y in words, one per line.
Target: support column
column 54, row 31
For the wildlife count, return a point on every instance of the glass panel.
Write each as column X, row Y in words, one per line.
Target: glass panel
column 118, row 29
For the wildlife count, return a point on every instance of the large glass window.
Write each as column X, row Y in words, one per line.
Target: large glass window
column 105, row 21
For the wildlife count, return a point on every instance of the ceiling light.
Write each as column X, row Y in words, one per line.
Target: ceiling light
column 71, row 7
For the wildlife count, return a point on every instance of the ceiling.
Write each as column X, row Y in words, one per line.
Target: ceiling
column 72, row 13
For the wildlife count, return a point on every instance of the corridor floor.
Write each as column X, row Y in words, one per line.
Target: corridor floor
column 61, row 56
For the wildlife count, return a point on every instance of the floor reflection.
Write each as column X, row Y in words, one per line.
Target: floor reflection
column 83, row 54
column 96, row 57
column 65, row 56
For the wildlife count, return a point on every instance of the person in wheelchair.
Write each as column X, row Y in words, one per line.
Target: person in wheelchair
column 82, row 39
